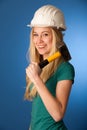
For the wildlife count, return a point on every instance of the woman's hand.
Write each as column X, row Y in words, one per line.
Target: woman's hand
column 33, row 71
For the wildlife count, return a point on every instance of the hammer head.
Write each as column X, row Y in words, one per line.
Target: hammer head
column 64, row 51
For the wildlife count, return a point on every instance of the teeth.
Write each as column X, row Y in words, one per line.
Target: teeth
column 40, row 46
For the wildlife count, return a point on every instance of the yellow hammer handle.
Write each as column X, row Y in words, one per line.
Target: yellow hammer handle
column 54, row 56
column 49, row 59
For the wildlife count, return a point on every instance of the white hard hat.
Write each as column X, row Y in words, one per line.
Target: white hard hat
column 48, row 16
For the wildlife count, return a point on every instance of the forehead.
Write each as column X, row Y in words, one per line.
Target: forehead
column 42, row 29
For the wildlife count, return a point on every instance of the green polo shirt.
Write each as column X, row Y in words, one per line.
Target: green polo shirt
column 40, row 118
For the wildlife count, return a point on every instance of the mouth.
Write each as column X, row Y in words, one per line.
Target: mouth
column 41, row 46
column 41, row 49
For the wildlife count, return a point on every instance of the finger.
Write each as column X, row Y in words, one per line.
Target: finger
column 28, row 72
column 34, row 63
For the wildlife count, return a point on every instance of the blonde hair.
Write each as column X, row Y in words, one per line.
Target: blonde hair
column 48, row 70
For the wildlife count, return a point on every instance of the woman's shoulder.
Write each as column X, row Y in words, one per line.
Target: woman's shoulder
column 65, row 71
column 65, row 65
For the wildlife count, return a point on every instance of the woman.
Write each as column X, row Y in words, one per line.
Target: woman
column 48, row 88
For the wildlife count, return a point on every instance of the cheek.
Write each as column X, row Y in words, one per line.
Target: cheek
column 50, row 42
column 34, row 40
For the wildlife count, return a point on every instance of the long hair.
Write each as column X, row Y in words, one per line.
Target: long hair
column 48, row 70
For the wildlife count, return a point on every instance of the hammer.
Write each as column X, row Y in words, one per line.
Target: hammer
column 63, row 51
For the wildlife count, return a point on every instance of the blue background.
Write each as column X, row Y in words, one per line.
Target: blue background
column 14, row 42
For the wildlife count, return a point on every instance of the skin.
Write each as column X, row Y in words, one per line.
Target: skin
column 42, row 37
column 56, row 106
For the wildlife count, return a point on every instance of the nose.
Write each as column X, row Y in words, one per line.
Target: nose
column 39, row 39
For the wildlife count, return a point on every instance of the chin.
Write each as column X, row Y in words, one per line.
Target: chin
column 41, row 53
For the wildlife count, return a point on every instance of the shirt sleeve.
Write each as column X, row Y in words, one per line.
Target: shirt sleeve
column 66, row 71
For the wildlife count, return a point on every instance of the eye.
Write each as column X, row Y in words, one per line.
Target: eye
column 45, row 34
column 35, row 34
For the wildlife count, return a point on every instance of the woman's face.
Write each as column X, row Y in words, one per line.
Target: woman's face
column 42, row 38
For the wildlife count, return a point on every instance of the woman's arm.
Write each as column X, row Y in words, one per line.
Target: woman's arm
column 55, row 106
